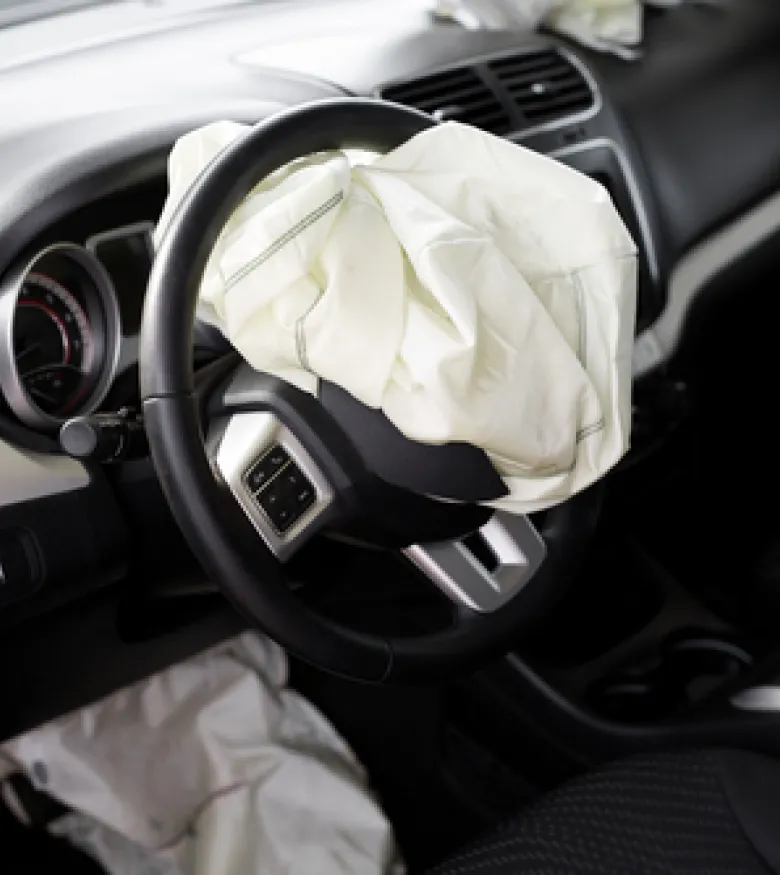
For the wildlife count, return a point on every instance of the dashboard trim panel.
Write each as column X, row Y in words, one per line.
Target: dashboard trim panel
column 694, row 271
column 136, row 228
column 27, row 476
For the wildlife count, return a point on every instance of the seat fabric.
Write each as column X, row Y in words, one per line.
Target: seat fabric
column 706, row 812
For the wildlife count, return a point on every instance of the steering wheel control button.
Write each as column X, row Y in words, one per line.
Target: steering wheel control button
column 280, row 488
column 266, row 468
column 287, row 497
column 277, row 458
column 273, row 477
column 276, row 509
column 298, row 491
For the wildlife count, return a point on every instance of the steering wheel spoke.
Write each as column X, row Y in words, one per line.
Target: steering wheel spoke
column 486, row 570
column 273, row 478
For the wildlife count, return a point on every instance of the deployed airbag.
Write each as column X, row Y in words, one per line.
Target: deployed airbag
column 211, row 767
column 606, row 25
column 470, row 288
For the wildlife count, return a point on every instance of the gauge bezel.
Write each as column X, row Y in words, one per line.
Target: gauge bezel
column 17, row 396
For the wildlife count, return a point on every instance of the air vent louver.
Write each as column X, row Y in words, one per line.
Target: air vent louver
column 544, row 85
column 454, row 95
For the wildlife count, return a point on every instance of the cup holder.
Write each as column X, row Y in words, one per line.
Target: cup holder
column 688, row 668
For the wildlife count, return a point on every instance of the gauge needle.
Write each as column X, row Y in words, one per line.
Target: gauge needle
column 34, row 390
column 26, row 351
column 39, row 369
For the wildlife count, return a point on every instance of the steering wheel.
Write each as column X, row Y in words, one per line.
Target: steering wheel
column 252, row 467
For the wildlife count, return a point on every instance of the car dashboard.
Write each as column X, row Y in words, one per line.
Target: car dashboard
column 686, row 140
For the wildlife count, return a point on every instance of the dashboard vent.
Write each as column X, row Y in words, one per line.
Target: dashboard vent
column 454, row 95
column 543, row 85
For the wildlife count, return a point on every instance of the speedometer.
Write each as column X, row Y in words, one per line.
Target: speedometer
column 53, row 345
column 59, row 336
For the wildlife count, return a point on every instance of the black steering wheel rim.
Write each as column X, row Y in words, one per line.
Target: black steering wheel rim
column 218, row 531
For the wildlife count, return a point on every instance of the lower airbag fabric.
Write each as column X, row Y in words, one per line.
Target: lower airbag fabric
column 211, row 767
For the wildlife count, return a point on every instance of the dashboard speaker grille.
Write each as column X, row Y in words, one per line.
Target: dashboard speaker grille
column 454, row 95
column 543, row 85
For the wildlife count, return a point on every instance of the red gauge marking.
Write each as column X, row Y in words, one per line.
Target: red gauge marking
column 55, row 318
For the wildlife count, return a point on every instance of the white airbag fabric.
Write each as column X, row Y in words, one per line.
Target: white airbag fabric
column 470, row 288
column 211, row 768
column 615, row 26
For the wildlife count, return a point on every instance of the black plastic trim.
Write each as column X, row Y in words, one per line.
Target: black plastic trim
column 458, row 471
column 81, row 543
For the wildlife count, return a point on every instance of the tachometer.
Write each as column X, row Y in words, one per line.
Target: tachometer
column 60, row 336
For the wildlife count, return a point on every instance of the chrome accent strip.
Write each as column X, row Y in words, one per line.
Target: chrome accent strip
column 244, row 440
column 694, row 271
column 455, row 570
column 766, row 698
column 10, row 381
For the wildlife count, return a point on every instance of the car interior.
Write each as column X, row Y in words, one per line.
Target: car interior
column 608, row 702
